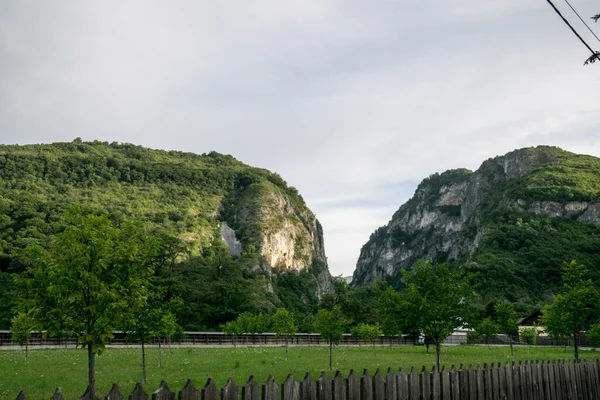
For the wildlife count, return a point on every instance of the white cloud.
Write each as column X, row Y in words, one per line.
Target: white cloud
column 343, row 98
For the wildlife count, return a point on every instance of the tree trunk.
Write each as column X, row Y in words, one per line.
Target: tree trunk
column 512, row 350
column 438, row 348
column 143, row 362
column 576, row 346
column 286, row 348
column 330, row 354
column 91, row 372
column 159, row 353
column 374, row 353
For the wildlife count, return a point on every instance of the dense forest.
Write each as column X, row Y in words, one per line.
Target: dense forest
column 180, row 198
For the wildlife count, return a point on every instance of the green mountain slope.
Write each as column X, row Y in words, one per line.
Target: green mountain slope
column 514, row 222
column 194, row 199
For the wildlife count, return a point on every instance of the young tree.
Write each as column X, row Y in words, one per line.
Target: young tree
column 389, row 303
column 21, row 326
column 261, row 324
column 247, row 324
column 487, row 328
column 284, row 325
column 151, row 319
column 368, row 332
column 576, row 307
column 330, row 324
column 85, row 284
column 506, row 318
column 529, row 337
column 232, row 328
column 436, row 301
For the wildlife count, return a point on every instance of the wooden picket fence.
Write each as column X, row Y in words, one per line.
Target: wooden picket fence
column 550, row 380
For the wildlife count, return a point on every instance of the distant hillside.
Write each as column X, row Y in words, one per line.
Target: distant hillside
column 202, row 201
column 513, row 222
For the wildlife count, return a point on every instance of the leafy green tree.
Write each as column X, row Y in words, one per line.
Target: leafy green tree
column 284, row 326
column 368, row 332
column 261, row 324
column 507, row 321
column 153, row 318
column 436, row 301
column 330, row 324
column 575, row 308
column 529, row 336
column 247, row 324
column 233, row 329
column 487, row 328
column 389, row 303
column 594, row 334
column 85, row 284
column 21, row 326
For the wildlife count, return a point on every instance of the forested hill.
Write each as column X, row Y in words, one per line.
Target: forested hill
column 195, row 200
column 513, row 222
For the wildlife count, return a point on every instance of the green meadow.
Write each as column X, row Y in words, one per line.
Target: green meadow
column 66, row 368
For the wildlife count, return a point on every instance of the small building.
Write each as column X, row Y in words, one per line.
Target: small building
column 532, row 321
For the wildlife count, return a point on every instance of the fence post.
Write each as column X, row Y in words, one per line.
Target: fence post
column 209, row 391
column 472, row 383
column 424, row 383
column 391, row 385
column 230, row 391
column 436, row 384
column 163, row 392
column 21, row 396
column 366, row 386
column 352, row 386
column 495, row 381
column 463, row 378
column 413, row 385
column 403, row 390
column 114, row 393
column 338, row 387
column 189, row 392
column 58, row 395
column 138, row 393
column 324, row 387
column 378, row 386
column 479, row 384
column 289, row 389
column 308, row 388
column 270, row 390
column 251, row 390
column 445, row 378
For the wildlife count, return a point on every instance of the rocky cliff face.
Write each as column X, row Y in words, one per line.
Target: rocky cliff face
column 446, row 218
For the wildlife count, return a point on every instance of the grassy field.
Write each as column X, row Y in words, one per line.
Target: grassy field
column 47, row 369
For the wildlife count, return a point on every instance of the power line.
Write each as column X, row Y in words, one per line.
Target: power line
column 581, row 19
column 573, row 29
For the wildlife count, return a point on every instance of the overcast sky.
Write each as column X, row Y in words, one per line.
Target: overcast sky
column 353, row 102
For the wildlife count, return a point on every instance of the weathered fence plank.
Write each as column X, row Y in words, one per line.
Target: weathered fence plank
column 495, row 381
column 454, row 383
column 487, row 381
column 378, row 386
column 189, row 391
column 209, row 391
column 114, row 393
column 501, row 382
column 413, row 385
column 59, row 396
column 139, row 394
column 163, row 392
column 230, row 391
column 391, row 385
column 446, row 385
column 472, row 383
column 338, row 387
column 424, row 383
column 463, row 378
column 526, row 389
column 251, row 390
column 290, row 389
column 270, row 390
column 308, row 388
column 436, row 384
column 366, row 386
column 403, row 390
column 86, row 395
column 352, row 386
column 323, row 387
column 21, row 396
